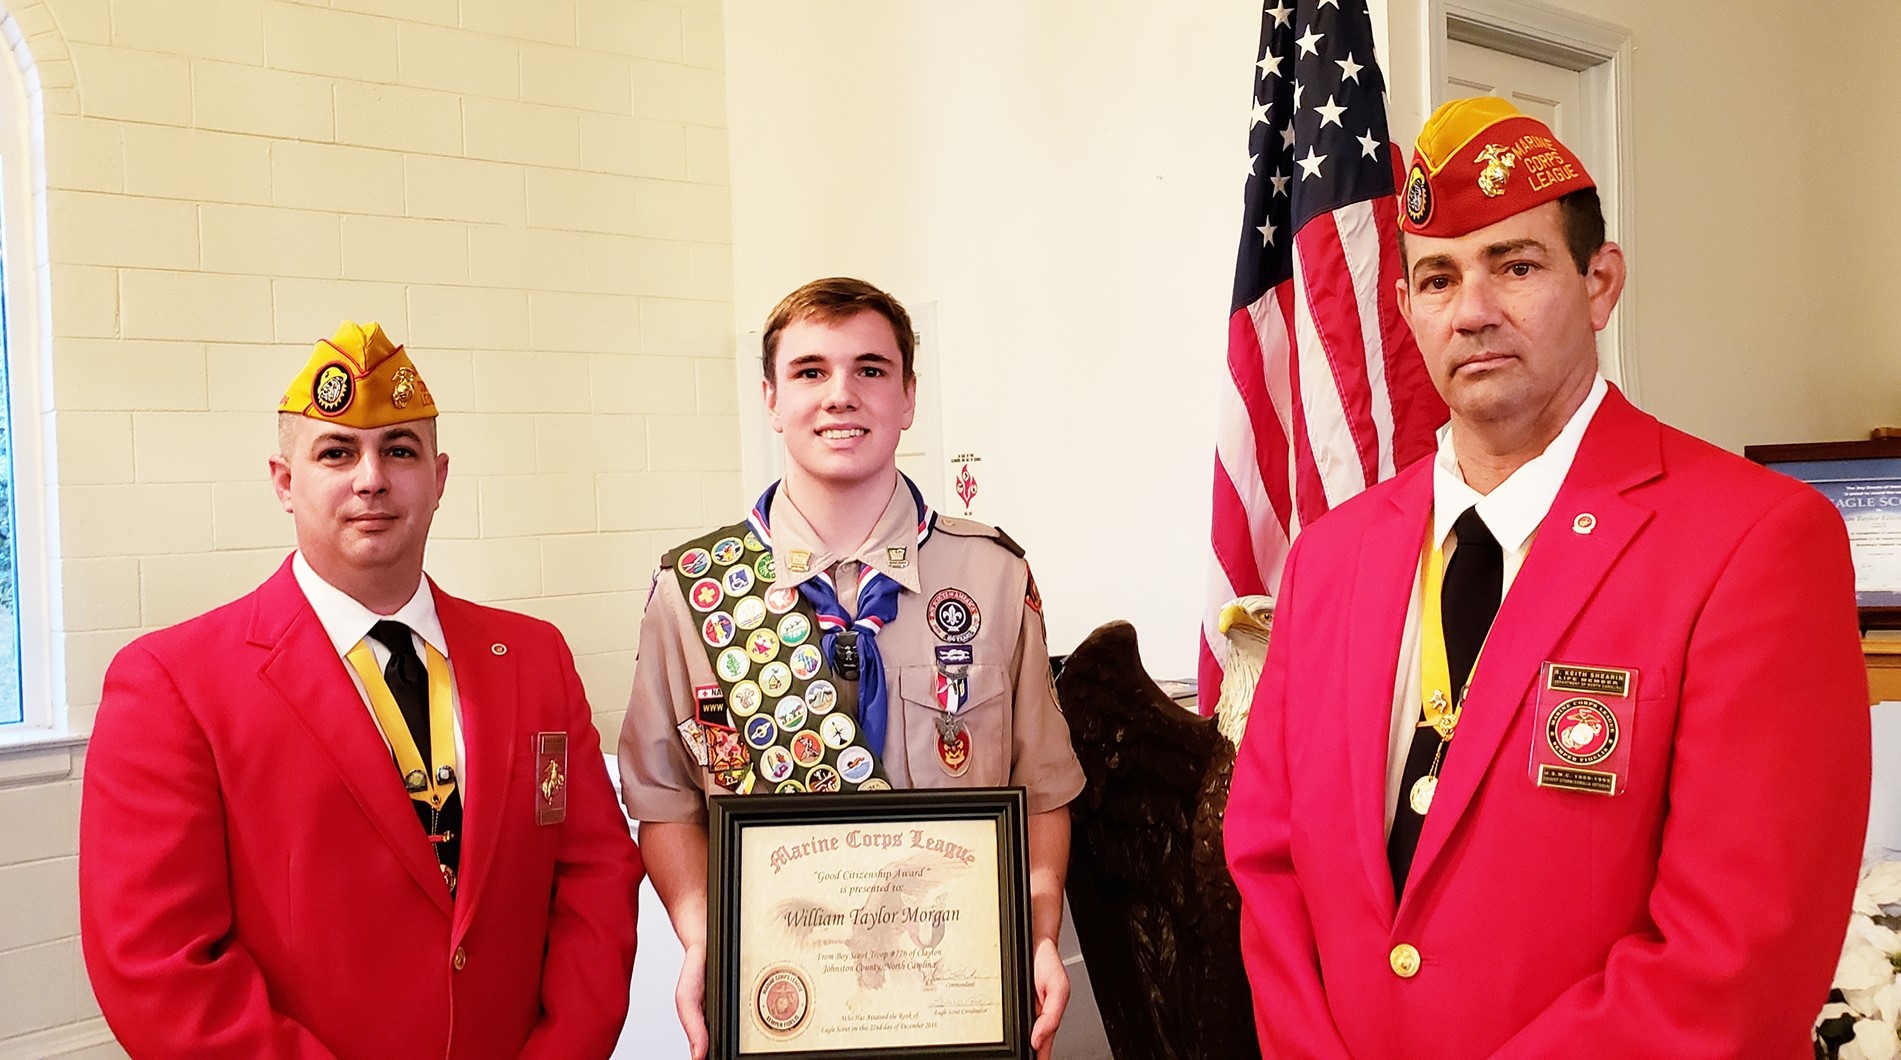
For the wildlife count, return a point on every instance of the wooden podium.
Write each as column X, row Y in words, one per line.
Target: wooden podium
column 1884, row 667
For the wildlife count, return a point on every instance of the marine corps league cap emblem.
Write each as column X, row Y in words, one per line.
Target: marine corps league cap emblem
column 1418, row 196
column 1498, row 161
column 404, row 387
column 333, row 390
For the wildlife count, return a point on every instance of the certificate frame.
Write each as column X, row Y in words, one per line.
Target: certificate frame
column 1868, row 466
column 737, row 890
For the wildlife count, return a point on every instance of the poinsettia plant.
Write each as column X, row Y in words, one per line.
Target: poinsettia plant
column 1864, row 1007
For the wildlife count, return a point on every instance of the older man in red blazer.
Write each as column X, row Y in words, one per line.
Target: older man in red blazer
column 349, row 815
column 1631, row 827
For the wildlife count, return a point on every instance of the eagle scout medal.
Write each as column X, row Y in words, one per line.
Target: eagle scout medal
column 806, row 661
column 1581, row 728
column 749, row 613
column 950, row 692
column 821, row 696
column 953, row 745
column 718, row 629
column 705, row 595
column 551, row 777
column 695, row 562
column 953, row 616
column 727, row 551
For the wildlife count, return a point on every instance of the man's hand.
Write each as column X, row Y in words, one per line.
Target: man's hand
column 689, row 1000
column 1052, row 996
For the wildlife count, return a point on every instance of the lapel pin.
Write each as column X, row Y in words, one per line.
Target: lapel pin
column 1584, row 523
column 499, row 649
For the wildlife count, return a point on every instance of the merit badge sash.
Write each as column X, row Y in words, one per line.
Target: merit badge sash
column 768, row 724
column 1581, row 728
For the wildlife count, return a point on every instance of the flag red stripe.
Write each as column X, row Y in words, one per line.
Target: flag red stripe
column 1233, row 541
column 1248, row 365
column 1335, row 308
column 1310, row 494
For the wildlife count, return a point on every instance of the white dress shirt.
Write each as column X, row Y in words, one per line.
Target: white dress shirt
column 347, row 622
column 1512, row 512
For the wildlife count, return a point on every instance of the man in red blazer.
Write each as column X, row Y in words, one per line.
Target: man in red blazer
column 1634, row 831
column 273, row 858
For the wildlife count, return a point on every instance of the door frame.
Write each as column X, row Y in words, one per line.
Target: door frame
column 1601, row 54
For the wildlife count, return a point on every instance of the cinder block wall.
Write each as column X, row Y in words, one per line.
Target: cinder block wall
column 532, row 194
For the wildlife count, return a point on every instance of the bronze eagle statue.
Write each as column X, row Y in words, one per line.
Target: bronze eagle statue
column 1156, row 913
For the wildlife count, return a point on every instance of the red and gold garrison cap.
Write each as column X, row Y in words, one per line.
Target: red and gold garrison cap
column 1479, row 161
column 358, row 378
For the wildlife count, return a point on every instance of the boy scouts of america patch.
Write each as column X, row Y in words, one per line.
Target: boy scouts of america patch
column 333, row 390
column 953, row 616
column 767, row 724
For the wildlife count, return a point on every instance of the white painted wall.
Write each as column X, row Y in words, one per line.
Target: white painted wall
column 1063, row 179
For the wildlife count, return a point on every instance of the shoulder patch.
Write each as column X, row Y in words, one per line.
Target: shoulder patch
column 957, row 527
column 1009, row 542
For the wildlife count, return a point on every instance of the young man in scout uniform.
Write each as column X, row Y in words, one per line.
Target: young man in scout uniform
column 350, row 815
column 843, row 637
column 1630, row 824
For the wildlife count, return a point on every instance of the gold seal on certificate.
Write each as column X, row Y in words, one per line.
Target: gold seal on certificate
column 872, row 925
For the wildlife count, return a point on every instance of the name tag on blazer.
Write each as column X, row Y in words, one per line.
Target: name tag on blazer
column 1582, row 727
column 551, row 777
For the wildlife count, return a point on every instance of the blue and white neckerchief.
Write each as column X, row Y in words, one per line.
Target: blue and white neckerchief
column 877, row 606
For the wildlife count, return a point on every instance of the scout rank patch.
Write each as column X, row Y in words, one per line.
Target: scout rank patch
column 767, row 725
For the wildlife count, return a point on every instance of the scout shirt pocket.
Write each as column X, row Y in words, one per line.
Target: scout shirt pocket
column 984, row 719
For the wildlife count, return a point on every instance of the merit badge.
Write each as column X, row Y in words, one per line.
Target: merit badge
column 718, row 629
column 822, row 779
column 950, row 692
column 695, row 562
column 953, row 616
column 790, row 787
column 694, row 737
column 855, row 764
column 798, row 561
column 710, row 702
column 781, row 598
column 765, row 568
column 726, row 551
column 782, row 1001
column 953, row 751
column 793, row 629
column 805, row 661
column 875, row 784
column 749, row 613
column 898, row 557
column 732, row 664
column 551, row 777
column 954, row 659
column 333, row 389
column 775, row 764
column 807, row 751
column 762, row 645
column 739, row 581
column 775, row 679
column 837, row 730
column 790, row 712
column 1581, row 728
column 760, row 731
column 1418, row 196
column 821, row 697
column 705, row 595
column 746, row 698
column 752, row 542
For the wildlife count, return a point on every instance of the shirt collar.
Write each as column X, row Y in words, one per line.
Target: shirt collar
column 1513, row 510
column 891, row 548
column 347, row 622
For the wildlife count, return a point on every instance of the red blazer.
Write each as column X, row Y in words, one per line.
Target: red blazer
column 1698, row 914
column 253, row 882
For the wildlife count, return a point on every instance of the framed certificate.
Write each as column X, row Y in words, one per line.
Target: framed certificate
column 1863, row 479
column 868, row 924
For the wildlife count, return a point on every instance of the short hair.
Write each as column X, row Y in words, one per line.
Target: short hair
column 1580, row 214
column 833, row 299
column 287, row 432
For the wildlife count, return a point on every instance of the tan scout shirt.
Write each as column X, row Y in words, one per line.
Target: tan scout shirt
column 1017, row 735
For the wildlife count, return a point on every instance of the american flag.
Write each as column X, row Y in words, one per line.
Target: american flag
column 1329, row 392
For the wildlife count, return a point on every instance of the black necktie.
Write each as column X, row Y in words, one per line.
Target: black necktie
column 1474, row 582
column 408, row 680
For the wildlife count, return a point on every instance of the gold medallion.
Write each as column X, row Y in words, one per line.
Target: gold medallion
column 1420, row 799
column 1446, row 724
